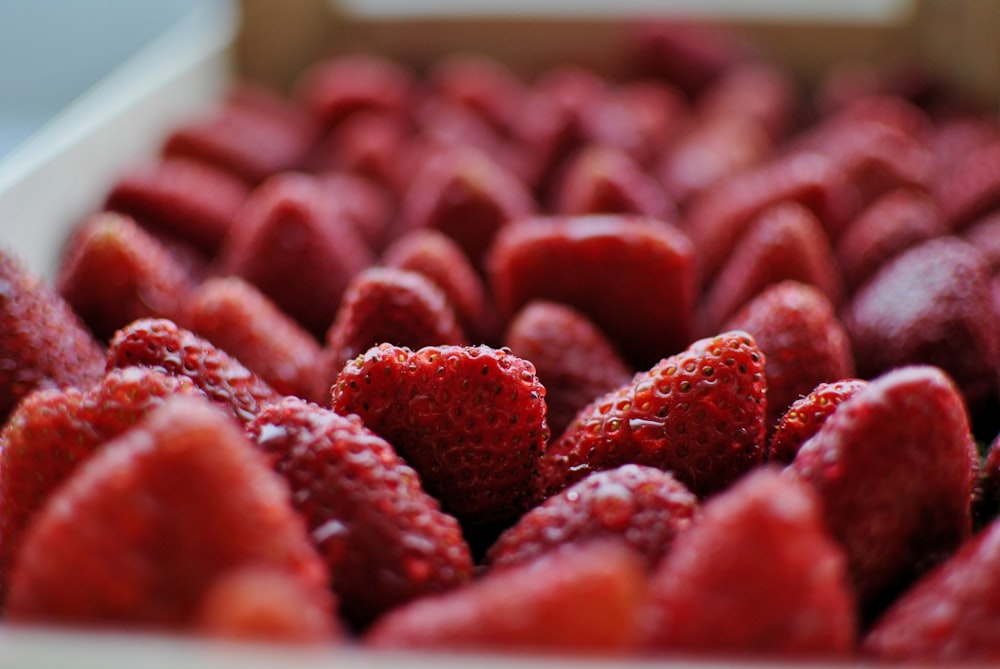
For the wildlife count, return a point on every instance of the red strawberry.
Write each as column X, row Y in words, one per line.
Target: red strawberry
column 972, row 188
column 140, row 532
column 295, row 241
column 337, row 87
column 470, row 420
column 365, row 203
column 114, row 272
column 161, row 345
column 581, row 600
column 383, row 538
column 658, row 110
column 573, row 359
column 756, row 575
column 796, row 327
column 480, row 84
column 369, row 144
column 756, row 90
column 893, row 467
column 633, row 277
column 644, row 506
column 187, row 199
column 984, row 234
column 806, row 415
column 43, row 344
column 785, row 243
column 239, row 319
column 698, row 414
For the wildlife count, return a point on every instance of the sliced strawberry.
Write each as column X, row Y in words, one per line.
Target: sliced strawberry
column 384, row 540
column 473, row 424
column 140, row 532
column 806, row 415
column 335, row 88
column 698, row 414
column 756, row 575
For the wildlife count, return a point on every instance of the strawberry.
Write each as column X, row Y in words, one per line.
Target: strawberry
column 580, row 600
column 698, row 414
column 785, row 243
column 805, row 416
column 92, row 558
column 239, row 319
column 369, row 144
column 644, row 506
column 972, row 188
column 757, row 91
column 658, row 110
column 161, row 345
column 893, row 466
column 472, row 422
column 365, row 203
column 805, row 344
column 295, row 242
column 613, row 269
column 114, row 272
column 187, row 199
column 946, row 319
column 43, row 344
column 984, row 234
column 756, row 575
column 337, row 87
column 573, row 359
column 480, row 84
column 384, row 540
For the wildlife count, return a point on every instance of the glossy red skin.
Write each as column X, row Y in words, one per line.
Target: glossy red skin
column 338, row 87
column 806, row 415
column 756, row 576
column 645, row 507
column 384, row 540
column 698, row 414
column 113, row 272
column 185, row 198
column 146, row 564
column 474, row 424
column 805, row 344
column 573, row 359
column 633, row 277
column 579, row 601
column 754, row 90
column 893, row 468
column 972, row 188
column 162, row 345
column 43, row 344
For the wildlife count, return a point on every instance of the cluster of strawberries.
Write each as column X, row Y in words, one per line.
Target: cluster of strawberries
column 671, row 364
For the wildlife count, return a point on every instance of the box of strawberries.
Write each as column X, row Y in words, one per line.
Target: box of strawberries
column 360, row 335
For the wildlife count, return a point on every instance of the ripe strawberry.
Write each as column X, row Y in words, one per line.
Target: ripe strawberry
column 43, row 344
column 369, row 144
column 480, row 84
column 658, row 110
column 698, row 414
column 239, row 319
column 163, row 346
column 757, row 91
column 187, row 199
column 580, row 600
column 785, row 243
column 805, row 344
column 470, row 420
column 443, row 124
column 613, row 269
column 756, row 575
column 114, row 272
column 984, row 234
column 893, row 467
column 365, row 203
column 806, row 415
column 52, row 431
column 295, row 242
column 573, row 359
column 644, row 506
column 946, row 319
column 340, row 86
column 384, row 540
column 972, row 188
column 140, row 532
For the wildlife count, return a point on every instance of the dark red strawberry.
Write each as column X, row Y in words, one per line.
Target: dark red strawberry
column 698, row 414
column 187, row 199
column 573, row 359
column 161, row 345
column 658, row 110
column 984, row 234
column 633, row 277
column 243, row 322
column 140, row 532
column 114, row 272
column 805, row 344
column 335, row 88
column 957, row 136
column 580, row 600
column 366, row 204
column 384, row 540
column 893, row 468
column 756, row 575
column 806, row 415
column 470, row 420
column 756, row 90
column 972, row 188
column 369, row 144
column 43, row 344
column 644, row 506
column 480, row 84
